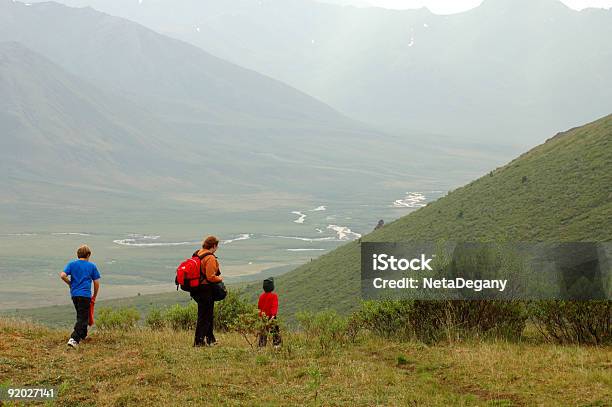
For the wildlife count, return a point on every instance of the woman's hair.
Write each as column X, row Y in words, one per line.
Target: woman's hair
column 83, row 252
column 210, row 242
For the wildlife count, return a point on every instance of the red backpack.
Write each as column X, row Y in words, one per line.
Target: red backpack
column 189, row 274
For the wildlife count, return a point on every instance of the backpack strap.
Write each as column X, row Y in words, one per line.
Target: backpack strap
column 205, row 255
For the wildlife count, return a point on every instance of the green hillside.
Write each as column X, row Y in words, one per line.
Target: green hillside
column 558, row 191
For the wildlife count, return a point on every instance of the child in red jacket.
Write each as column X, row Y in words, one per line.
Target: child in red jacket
column 268, row 308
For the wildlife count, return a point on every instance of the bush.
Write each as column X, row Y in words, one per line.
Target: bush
column 432, row 321
column 327, row 327
column 228, row 310
column 250, row 325
column 155, row 319
column 180, row 317
column 121, row 318
column 185, row 317
column 469, row 314
column 386, row 318
column 583, row 276
column 436, row 320
column 583, row 322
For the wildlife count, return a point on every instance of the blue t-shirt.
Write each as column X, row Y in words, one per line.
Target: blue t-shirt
column 82, row 273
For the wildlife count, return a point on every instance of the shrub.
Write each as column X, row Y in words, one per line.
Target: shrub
column 327, row 327
column 155, row 319
column 385, row 318
column 181, row 317
column 583, row 322
column 432, row 321
column 474, row 315
column 250, row 325
column 228, row 310
column 185, row 317
column 121, row 318
column 453, row 319
column 583, row 276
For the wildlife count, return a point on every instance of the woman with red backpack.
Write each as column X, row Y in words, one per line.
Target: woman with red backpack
column 207, row 292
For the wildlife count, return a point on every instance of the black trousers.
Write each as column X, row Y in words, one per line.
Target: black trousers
column 81, row 305
column 206, row 314
column 273, row 330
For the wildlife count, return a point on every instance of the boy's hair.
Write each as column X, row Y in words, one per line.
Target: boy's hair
column 268, row 285
column 83, row 252
column 210, row 242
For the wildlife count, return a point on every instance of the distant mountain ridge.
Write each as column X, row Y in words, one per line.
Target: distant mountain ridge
column 504, row 72
column 67, row 144
column 131, row 111
column 59, row 131
column 176, row 78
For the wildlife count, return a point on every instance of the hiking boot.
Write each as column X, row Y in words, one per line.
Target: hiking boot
column 72, row 343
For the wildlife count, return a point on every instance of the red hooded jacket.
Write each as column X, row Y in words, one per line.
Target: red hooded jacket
column 268, row 304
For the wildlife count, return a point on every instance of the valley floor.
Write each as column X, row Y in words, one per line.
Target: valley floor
column 144, row 367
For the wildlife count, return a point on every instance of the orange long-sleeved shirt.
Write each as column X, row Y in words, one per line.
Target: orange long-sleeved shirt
column 210, row 266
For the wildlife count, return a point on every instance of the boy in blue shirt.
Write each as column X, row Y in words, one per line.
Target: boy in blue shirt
column 79, row 274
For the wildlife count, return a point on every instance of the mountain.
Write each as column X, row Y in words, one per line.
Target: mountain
column 137, row 114
column 65, row 143
column 178, row 78
column 558, row 192
column 503, row 73
column 57, row 122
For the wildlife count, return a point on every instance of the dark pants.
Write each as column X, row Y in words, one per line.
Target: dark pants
column 273, row 330
column 81, row 304
column 206, row 307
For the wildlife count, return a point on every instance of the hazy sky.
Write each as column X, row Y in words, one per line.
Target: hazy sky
column 455, row 6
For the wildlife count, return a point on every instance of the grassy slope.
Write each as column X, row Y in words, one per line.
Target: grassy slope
column 151, row 368
column 567, row 196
